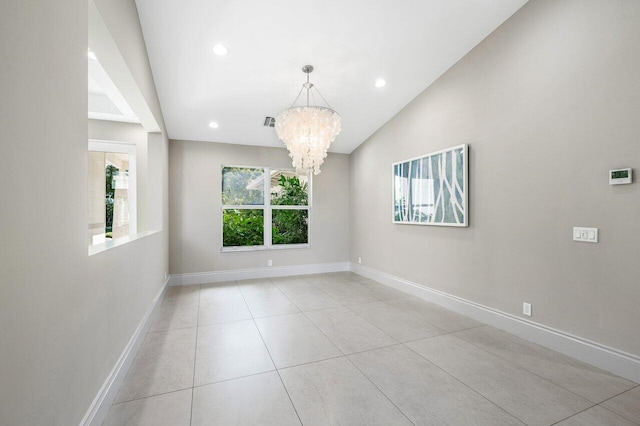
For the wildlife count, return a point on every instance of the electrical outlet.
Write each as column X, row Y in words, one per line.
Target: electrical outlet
column 359, row 260
column 166, row 275
column 269, row 262
column 526, row 309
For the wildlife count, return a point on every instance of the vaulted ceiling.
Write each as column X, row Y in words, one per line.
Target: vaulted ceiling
column 351, row 44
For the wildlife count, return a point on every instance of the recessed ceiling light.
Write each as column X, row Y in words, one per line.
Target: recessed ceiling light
column 220, row 50
column 214, row 125
column 91, row 55
column 380, row 83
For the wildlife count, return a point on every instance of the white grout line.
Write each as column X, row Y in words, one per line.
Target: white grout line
column 195, row 355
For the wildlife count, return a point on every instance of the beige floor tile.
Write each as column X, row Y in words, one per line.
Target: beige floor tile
column 528, row 397
column 348, row 294
column 440, row 317
column 181, row 293
column 348, row 331
column 262, row 286
column 379, row 291
column 396, row 322
column 343, row 275
column 230, row 350
column 269, row 304
column 223, row 308
column 587, row 381
column 255, row 400
column 293, row 339
column 312, row 300
column 169, row 409
column 206, row 334
column 334, row 392
column 292, row 285
column 209, row 292
column 319, row 279
column 627, row 404
column 596, row 416
column 424, row 392
column 163, row 364
column 175, row 315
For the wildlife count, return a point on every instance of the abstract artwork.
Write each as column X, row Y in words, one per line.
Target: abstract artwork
column 432, row 189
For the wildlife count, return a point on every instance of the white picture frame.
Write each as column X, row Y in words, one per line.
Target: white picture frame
column 432, row 189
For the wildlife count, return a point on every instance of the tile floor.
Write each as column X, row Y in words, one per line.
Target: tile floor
column 341, row 349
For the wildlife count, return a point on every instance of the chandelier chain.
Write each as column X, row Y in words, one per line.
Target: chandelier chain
column 297, row 97
column 325, row 101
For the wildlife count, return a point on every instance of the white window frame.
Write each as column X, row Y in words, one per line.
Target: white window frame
column 267, row 208
column 130, row 149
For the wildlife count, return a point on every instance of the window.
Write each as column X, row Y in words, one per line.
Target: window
column 260, row 213
column 112, row 191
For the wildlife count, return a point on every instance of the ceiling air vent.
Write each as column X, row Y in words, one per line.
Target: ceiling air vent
column 269, row 122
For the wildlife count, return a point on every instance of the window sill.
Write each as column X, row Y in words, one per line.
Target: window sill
column 99, row 248
column 263, row 248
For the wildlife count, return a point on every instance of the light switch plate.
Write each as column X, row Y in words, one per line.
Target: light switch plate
column 585, row 235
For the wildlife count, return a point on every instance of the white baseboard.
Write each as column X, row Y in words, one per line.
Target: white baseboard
column 102, row 402
column 245, row 274
column 618, row 362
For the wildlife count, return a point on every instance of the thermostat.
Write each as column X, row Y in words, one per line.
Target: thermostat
column 619, row 176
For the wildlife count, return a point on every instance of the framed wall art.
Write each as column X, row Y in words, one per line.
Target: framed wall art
column 432, row 189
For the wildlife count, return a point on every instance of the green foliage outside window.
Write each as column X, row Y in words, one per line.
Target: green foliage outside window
column 292, row 192
column 242, row 186
column 243, row 228
column 111, row 172
column 290, row 226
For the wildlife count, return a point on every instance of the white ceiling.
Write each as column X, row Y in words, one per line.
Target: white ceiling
column 351, row 43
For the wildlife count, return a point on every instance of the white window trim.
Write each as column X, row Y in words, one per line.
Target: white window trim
column 267, row 216
column 130, row 149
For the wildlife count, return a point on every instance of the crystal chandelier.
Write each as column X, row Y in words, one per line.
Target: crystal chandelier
column 307, row 131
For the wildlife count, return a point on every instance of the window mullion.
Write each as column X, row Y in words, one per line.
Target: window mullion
column 284, row 207
column 242, row 207
column 267, row 207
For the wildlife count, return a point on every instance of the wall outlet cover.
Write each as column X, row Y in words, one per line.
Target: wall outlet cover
column 586, row 235
column 526, row 309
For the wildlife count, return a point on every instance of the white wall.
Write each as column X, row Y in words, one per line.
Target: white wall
column 195, row 208
column 117, row 131
column 548, row 103
column 65, row 317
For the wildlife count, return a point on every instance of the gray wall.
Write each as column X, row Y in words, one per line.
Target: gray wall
column 65, row 317
column 195, row 208
column 548, row 103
